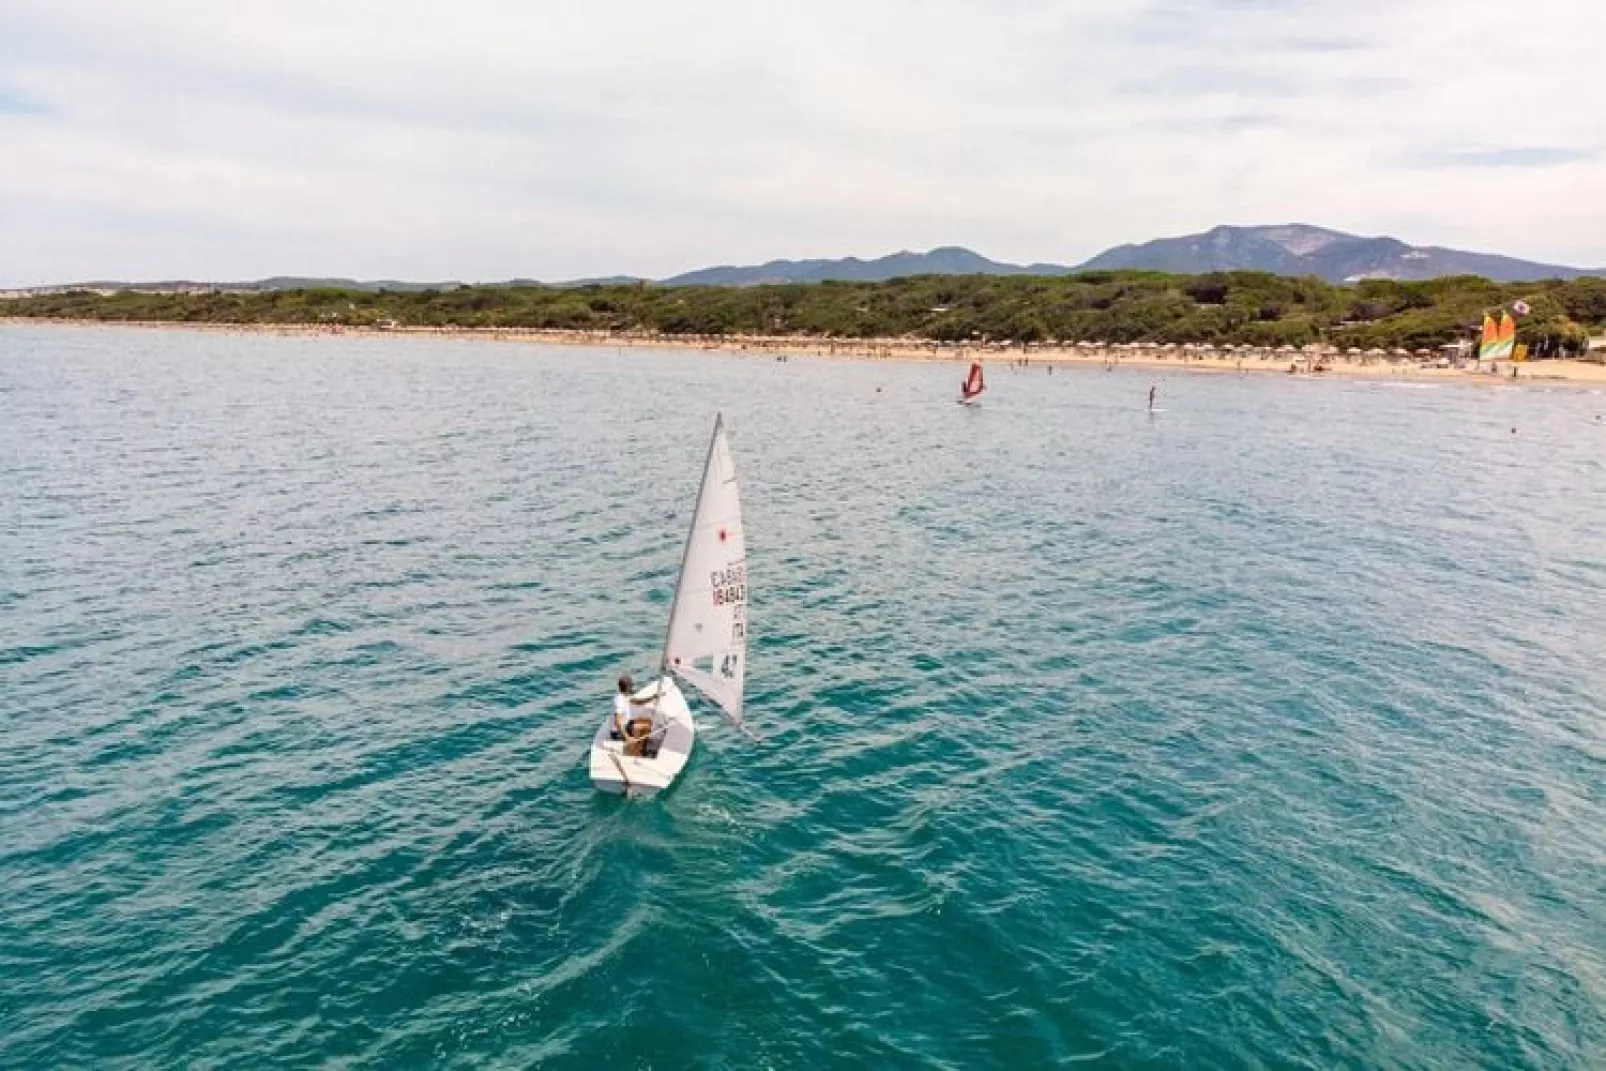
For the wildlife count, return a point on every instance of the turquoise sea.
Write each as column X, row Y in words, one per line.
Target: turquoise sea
column 1269, row 731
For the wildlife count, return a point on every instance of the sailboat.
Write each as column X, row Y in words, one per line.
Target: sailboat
column 973, row 385
column 706, row 642
column 1498, row 343
column 1507, row 336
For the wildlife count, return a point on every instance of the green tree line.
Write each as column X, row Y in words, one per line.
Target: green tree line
column 1242, row 308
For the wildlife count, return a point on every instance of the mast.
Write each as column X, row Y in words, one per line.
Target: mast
column 685, row 553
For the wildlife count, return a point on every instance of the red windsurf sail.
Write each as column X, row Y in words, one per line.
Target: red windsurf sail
column 974, row 383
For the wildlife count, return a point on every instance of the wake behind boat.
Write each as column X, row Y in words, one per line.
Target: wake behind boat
column 706, row 644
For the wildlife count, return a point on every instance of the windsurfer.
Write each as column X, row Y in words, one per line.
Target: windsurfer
column 974, row 384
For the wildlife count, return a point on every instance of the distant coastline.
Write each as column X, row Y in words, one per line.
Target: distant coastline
column 1101, row 311
column 1179, row 358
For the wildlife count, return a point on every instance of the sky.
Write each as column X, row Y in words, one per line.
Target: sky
column 483, row 140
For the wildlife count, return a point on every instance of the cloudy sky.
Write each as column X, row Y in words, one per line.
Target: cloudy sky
column 483, row 139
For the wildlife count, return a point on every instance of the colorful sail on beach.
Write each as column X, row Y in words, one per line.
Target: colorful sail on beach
column 1489, row 339
column 1499, row 342
column 1507, row 341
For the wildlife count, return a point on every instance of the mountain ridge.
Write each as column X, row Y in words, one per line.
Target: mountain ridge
column 942, row 260
column 1282, row 249
column 1336, row 256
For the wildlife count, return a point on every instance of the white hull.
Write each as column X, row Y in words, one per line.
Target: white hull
column 614, row 771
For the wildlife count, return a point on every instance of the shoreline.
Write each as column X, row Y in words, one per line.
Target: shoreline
column 1150, row 357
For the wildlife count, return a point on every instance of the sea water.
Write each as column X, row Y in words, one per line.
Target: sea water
column 1266, row 731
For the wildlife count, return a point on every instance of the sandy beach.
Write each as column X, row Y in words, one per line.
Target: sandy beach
column 1166, row 357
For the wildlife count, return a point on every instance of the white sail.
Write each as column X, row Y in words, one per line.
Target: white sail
column 707, row 642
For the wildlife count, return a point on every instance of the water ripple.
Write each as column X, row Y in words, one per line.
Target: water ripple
column 1267, row 733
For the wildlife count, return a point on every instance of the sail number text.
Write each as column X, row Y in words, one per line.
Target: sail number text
column 729, row 584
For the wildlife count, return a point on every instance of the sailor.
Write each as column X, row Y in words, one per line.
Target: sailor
column 631, row 729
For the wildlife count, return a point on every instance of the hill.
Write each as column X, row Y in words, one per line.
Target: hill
column 1292, row 249
column 945, row 260
column 1287, row 249
column 1300, row 249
